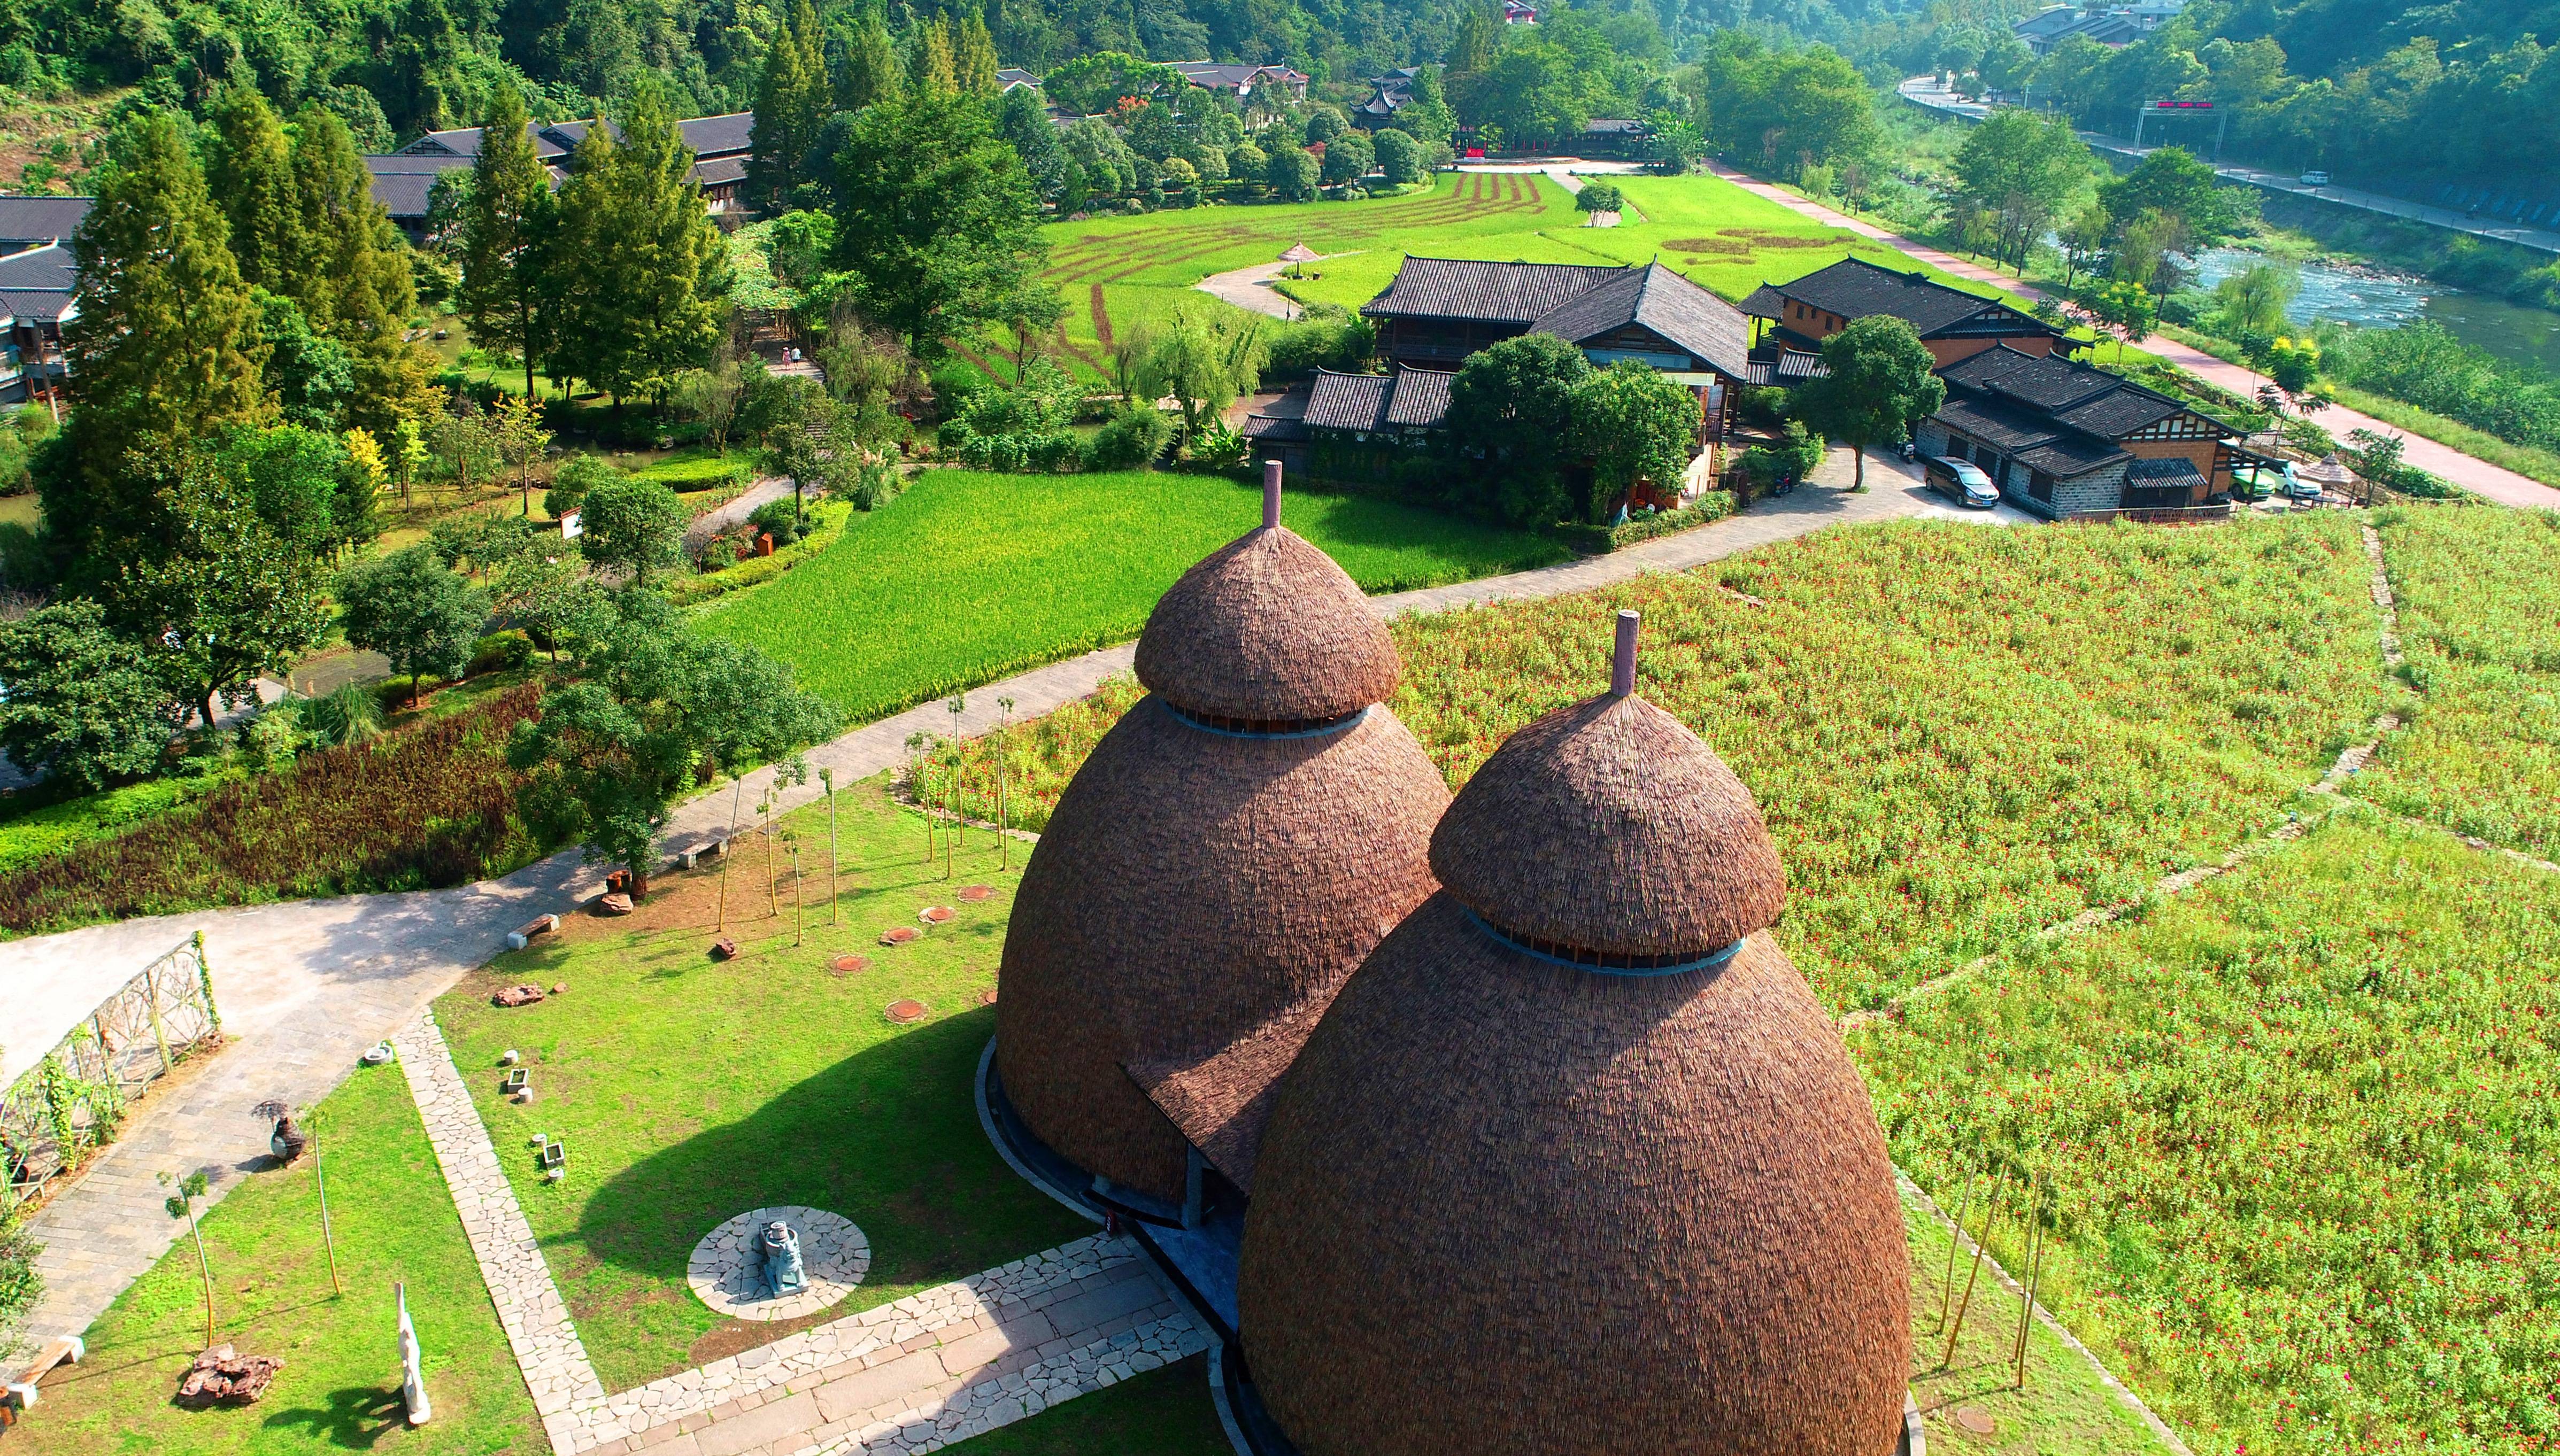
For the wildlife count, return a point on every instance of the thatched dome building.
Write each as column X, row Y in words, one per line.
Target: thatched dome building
column 1228, row 853
column 1574, row 1164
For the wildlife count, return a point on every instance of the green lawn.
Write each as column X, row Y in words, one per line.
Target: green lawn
column 340, row 1385
column 2479, row 589
column 968, row 576
column 690, row 1090
column 1165, row 1412
column 2304, row 1125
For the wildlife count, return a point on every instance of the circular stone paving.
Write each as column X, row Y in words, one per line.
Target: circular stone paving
column 900, row 934
column 904, row 1012
column 851, row 964
column 723, row 1272
column 975, row 893
column 934, row 914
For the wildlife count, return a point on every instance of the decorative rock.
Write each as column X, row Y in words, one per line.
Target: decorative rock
column 614, row 903
column 902, row 1012
column 221, row 1375
column 900, row 934
column 975, row 893
column 934, row 914
column 851, row 965
column 517, row 996
column 987, row 997
column 560, row 988
column 520, row 1096
column 724, row 949
column 510, row 1057
column 728, row 1274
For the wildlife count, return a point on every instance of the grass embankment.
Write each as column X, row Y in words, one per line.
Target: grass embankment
column 2304, row 1127
column 340, row 1385
column 2479, row 591
column 970, row 576
column 1959, row 736
column 690, row 1090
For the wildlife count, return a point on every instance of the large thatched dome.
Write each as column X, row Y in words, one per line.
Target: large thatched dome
column 1223, row 859
column 1565, row 1170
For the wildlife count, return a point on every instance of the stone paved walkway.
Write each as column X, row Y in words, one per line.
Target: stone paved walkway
column 937, row 1367
column 305, row 986
column 2494, row 482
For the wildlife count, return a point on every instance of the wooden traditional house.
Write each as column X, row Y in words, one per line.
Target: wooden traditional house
column 1952, row 322
column 2064, row 440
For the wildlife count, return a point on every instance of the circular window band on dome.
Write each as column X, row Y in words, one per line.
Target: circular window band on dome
column 1605, row 962
column 1226, row 727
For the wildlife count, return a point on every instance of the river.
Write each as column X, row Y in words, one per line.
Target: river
column 2511, row 332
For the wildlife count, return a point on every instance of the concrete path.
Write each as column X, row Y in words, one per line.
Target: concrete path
column 1256, row 288
column 2495, row 482
column 721, row 518
column 305, row 986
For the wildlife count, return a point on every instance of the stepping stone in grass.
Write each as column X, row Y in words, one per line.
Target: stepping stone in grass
column 1975, row 1420
column 902, row 1012
column 934, row 914
column 975, row 893
column 900, row 934
column 851, row 965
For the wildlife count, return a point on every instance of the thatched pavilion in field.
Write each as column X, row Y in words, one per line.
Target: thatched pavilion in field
column 1574, row 1163
column 1228, row 853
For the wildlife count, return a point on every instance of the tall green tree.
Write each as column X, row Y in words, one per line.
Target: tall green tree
column 1882, row 382
column 2171, row 182
column 2021, row 169
column 933, row 67
column 409, row 608
column 935, row 218
column 632, row 525
column 973, row 58
column 251, row 172
column 638, row 272
column 870, row 72
column 503, row 226
column 792, row 103
column 78, row 704
column 1510, row 420
column 1634, row 425
column 354, row 280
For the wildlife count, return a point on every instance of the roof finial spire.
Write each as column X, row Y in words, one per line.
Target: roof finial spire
column 1622, row 670
column 1270, row 494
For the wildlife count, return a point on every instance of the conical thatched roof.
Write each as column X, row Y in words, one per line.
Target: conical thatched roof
column 1211, row 874
column 1608, row 826
column 1506, row 1203
column 1267, row 630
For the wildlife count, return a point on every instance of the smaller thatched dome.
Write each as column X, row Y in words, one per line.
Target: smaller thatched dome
column 1609, row 827
column 1267, row 630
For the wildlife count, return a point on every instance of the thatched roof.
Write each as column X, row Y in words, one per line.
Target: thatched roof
column 1191, row 888
column 1609, row 827
column 1219, row 1102
column 1267, row 630
column 1507, row 1205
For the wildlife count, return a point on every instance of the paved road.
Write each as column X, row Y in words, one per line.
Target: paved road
column 2495, row 482
column 721, row 518
column 1926, row 90
column 1256, row 288
column 305, row 986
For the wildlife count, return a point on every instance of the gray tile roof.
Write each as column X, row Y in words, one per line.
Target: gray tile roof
column 2082, row 410
column 1662, row 301
column 40, row 219
column 1486, row 292
column 729, row 135
column 406, row 195
column 1853, row 289
column 42, row 268
column 2002, row 426
column 1419, row 399
column 2069, row 455
column 35, row 306
column 2175, row 470
column 1764, row 303
column 1406, row 399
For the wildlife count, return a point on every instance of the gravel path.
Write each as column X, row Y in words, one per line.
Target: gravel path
column 305, row 986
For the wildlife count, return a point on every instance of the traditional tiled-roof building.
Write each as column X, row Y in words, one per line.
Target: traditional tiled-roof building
column 404, row 180
column 1952, row 322
column 37, row 299
column 2061, row 438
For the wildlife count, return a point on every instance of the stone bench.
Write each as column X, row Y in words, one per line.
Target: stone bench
column 694, row 853
column 21, row 1393
column 522, row 936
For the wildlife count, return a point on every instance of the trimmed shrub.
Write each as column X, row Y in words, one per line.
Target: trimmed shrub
column 1134, row 437
column 499, row 651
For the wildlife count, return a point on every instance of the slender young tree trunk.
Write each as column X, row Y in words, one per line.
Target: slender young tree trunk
column 320, row 1176
column 203, row 1266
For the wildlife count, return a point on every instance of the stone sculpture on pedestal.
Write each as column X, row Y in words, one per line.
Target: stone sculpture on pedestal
column 779, row 1248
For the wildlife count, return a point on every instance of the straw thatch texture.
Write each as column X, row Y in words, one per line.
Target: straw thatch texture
column 1221, row 1102
column 1609, row 827
column 1267, row 629
column 1190, row 888
column 1507, row 1206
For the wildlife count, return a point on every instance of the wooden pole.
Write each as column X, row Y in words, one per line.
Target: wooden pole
column 320, row 1176
column 828, row 777
column 1004, row 825
column 772, row 888
column 1991, row 1220
column 2036, row 1237
column 1946, row 1285
column 798, row 913
column 729, row 852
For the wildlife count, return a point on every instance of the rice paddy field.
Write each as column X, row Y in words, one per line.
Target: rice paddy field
column 2479, row 591
column 2303, row 1129
column 970, row 576
column 1116, row 272
column 1959, row 736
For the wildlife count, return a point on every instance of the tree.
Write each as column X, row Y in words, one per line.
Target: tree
column 1789, row 108
column 2172, row 182
column 2083, row 239
column 973, row 58
column 313, row 377
column 182, row 1205
column 1634, row 425
column 1292, row 174
column 639, row 268
column 657, row 704
column 1399, row 156
column 353, row 278
column 712, row 396
column 412, row 457
column 2252, row 301
column 166, row 343
column 1511, row 418
column 1092, row 83
column 792, row 102
column 78, row 704
column 2126, row 307
column 251, row 169
column 1025, row 126
column 1674, row 146
column 223, row 593
column 2019, row 169
column 1425, row 115
column 935, row 220
column 508, row 210
column 1882, row 381
column 1600, row 197
column 934, row 71
column 1348, row 159
column 870, row 74
column 408, row 606
column 1202, row 359
column 632, row 525
column 516, row 428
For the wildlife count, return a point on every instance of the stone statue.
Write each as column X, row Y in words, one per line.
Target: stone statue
column 779, row 1248
column 412, row 1381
